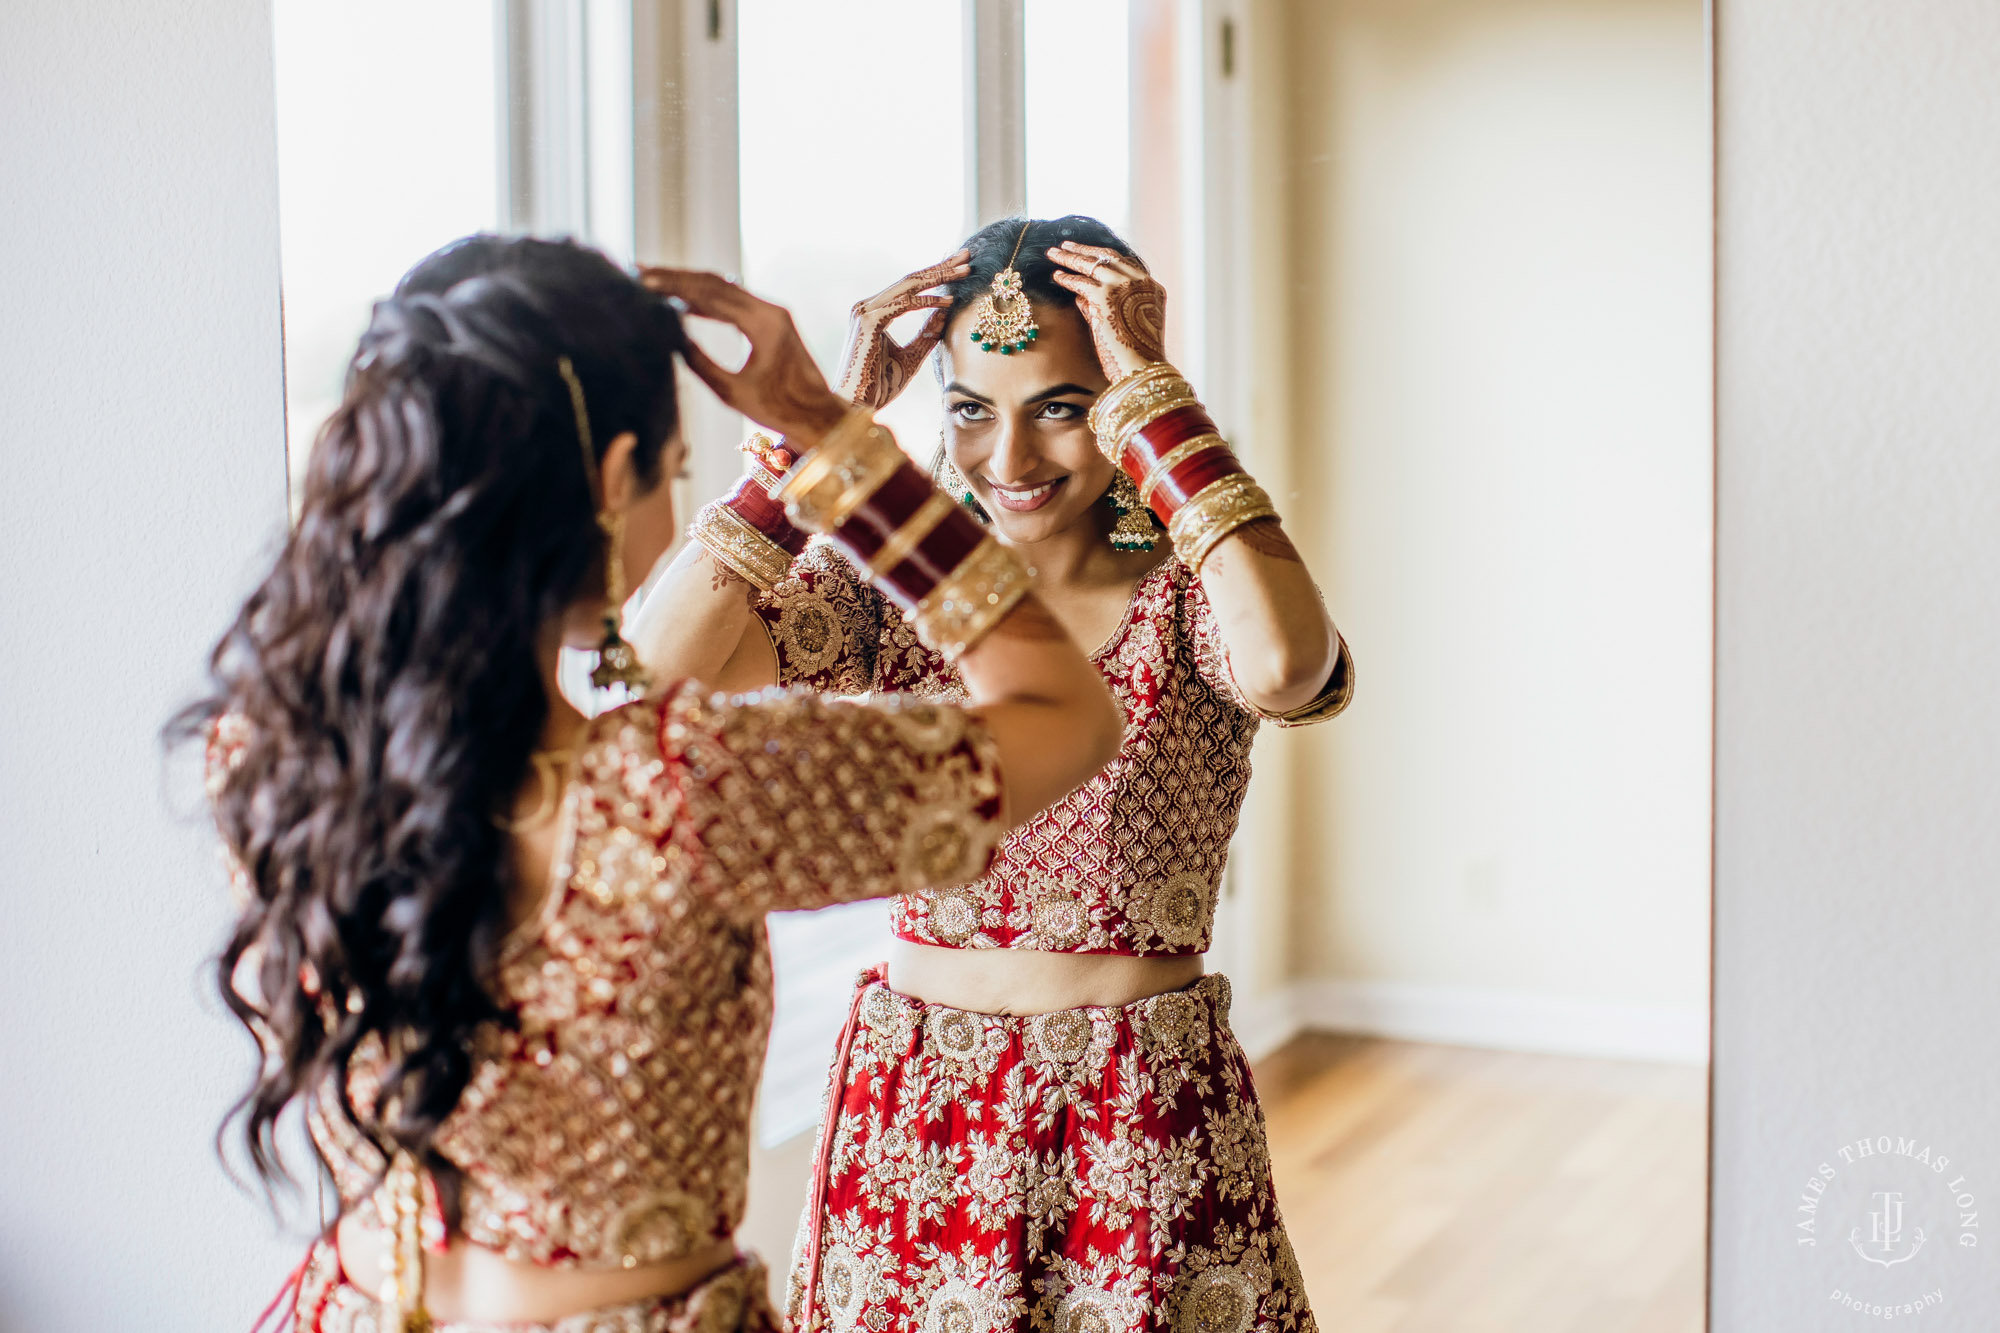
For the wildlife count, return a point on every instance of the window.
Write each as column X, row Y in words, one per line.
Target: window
column 387, row 148
column 852, row 162
column 1078, row 109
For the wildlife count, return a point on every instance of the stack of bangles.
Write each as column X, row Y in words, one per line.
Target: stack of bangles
column 948, row 575
column 1151, row 425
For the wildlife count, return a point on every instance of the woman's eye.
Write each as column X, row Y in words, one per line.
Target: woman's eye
column 969, row 411
column 1061, row 411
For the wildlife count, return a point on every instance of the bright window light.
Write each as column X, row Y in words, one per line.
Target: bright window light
column 853, row 164
column 1078, row 81
column 387, row 148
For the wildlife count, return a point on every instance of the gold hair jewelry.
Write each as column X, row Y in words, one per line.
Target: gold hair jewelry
column 1003, row 321
column 1136, row 528
column 617, row 664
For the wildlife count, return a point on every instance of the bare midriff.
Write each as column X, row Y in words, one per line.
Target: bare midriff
column 471, row 1282
column 1032, row 981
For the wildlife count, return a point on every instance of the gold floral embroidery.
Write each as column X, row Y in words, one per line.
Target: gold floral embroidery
column 956, row 1033
column 1170, row 798
column 926, row 727
column 1221, row 1300
column 946, row 847
column 957, row 1306
column 1170, row 1021
column 1071, row 1044
column 810, row 634
column 1092, row 1215
column 1177, row 910
column 951, row 916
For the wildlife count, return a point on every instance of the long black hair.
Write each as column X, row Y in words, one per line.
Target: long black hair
column 383, row 678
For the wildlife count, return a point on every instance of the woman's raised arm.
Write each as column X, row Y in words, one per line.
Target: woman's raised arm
column 1285, row 656
column 1052, row 718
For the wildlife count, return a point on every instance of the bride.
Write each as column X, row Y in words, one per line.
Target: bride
column 1038, row 1116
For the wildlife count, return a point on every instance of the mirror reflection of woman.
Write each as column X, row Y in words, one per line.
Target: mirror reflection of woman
column 1039, row 1117
column 510, row 959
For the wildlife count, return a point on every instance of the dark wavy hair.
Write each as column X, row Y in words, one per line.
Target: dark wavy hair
column 994, row 244
column 384, row 674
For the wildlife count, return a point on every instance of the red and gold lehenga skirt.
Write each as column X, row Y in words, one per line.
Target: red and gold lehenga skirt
column 736, row 1299
column 1095, row 1170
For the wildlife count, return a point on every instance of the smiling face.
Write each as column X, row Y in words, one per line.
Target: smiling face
column 1015, row 425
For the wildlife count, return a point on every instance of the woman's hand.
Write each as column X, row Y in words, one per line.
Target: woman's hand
column 875, row 367
column 1123, row 304
column 778, row 387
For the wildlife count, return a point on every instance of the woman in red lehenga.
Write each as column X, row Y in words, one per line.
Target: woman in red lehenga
column 1039, row 1118
column 510, row 959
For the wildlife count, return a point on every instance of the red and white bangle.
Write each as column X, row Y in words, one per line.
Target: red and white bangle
column 1154, row 428
column 747, row 530
column 952, row 580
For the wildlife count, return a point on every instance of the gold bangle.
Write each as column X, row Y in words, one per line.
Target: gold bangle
column 1220, row 508
column 1135, row 402
column 914, row 529
column 971, row 600
column 826, row 486
column 733, row 542
column 1173, row 458
column 1123, row 388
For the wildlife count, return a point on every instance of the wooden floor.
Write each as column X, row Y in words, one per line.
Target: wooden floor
column 1440, row 1189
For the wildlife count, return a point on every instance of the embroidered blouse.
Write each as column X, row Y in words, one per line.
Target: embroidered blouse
column 1128, row 863
column 610, row 1126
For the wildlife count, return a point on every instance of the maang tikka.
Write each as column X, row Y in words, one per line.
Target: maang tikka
column 617, row 664
column 1003, row 321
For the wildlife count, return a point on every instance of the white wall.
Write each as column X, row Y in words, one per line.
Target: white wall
column 1858, row 629
column 144, row 453
column 1499, row 254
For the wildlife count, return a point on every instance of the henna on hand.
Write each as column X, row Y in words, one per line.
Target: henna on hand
column 1136, row 314
column 875, row 368
column 1125, row 306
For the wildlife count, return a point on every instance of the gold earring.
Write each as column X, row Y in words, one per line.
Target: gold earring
column 617, row 664
column 1003, row 321
column 1136, row 528
column 947, row 477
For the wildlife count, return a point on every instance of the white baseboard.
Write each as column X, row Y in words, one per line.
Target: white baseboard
column 1465, row 1016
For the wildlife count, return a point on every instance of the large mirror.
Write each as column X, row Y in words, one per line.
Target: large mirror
column 1440, row 269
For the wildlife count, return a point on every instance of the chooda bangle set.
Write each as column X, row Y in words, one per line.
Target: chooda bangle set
column 746, row 530
column 949, row 577
column 1151, row 425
